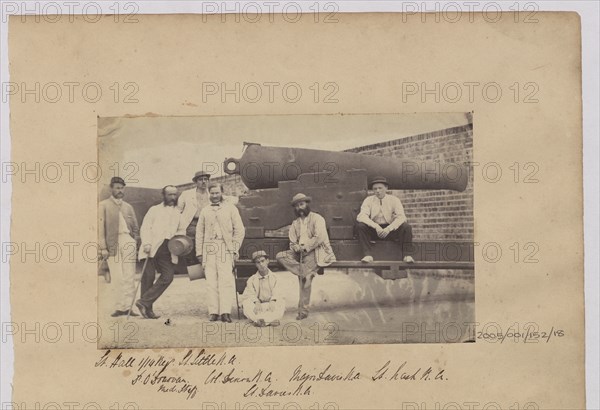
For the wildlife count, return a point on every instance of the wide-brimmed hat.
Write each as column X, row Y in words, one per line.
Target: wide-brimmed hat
column 180, row 245
column 258, row 254
column 117, row 180
column 379, row 180
column 200, row 174
column 299, row 198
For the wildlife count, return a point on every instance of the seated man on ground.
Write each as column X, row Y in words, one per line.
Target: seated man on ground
column 263, row 304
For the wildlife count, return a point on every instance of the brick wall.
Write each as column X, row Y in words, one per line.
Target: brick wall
column 434, row 214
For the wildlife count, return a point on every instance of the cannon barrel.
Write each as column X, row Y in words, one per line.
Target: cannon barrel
column 262, row 167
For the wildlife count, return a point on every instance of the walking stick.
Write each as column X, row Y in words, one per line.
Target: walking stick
column 302, row 266
column 237, row 302
column 137, row 287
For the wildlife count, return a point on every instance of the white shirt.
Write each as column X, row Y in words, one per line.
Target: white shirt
column 160, row 223
column 190, row 203
column 123, row 228
column 262, row 288
column 390, row 208
column 216, row 232
column 303, row 240
column 380, row 218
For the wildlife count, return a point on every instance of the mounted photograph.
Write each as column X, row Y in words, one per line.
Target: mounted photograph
column 264, row 230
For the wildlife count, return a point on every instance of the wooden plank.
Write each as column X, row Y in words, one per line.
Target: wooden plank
column 393, row 266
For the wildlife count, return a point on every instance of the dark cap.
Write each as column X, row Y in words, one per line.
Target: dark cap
column 379, row 180
column 200, row 174
column 117, row 180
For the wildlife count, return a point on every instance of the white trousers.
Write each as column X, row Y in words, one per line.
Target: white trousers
column 122, row 269
column 220, row 280
column 268, row 312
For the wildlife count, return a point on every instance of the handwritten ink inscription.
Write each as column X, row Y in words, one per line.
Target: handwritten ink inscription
column 164, row 372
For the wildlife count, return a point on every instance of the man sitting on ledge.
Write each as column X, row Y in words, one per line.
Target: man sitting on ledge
column 382, row 217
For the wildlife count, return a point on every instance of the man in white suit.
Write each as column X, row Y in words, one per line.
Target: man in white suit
column 219, row 235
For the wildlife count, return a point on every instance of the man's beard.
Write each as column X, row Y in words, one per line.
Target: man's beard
column 216, row 200
column 119, row 195
column 170, row 202
column 302, row 212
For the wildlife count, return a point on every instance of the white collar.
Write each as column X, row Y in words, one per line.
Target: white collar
column 266, row 276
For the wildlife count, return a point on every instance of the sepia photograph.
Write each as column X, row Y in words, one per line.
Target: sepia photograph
column 357, row 230
column 282, row 205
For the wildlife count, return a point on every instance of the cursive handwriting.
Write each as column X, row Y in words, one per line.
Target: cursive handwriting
column 203, row 359
column 119, row 361
column 254, row 391
column 161, row 372
column 160, row 362
column 190, row 389
column 404, row 372
column 231, row 377
column 325, row 375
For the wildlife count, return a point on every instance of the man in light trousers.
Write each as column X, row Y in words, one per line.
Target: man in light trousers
column 219, row 235
column 310, row 250
column 119, row 233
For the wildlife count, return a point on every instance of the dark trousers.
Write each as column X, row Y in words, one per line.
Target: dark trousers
column 403, row 235
column 161, row 262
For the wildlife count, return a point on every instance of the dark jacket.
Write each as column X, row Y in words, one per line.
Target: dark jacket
column 108, row 224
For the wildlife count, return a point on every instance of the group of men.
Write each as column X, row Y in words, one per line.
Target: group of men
column 205, row 214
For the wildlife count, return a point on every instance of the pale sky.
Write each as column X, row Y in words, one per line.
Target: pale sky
column 169, row 150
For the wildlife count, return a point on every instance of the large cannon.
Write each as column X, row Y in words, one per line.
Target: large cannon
column 264, row 167
column 338, row 183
